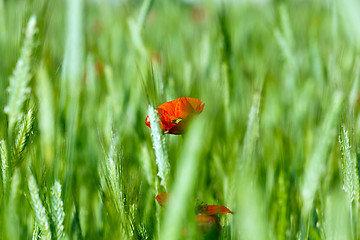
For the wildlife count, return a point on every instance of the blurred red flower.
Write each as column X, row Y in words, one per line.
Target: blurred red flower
column 162, row 199
column 206, row 217
column 213, row 209
column 208, row 223
column 175, row 115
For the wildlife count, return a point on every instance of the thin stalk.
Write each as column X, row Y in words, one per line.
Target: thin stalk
column 351, row 221
column 308, row 225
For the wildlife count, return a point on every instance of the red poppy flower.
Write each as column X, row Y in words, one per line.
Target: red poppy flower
column 206, row 217
column 162, row 199
column 213, row 209
column 175, row 115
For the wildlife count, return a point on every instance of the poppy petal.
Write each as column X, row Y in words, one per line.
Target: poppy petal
column 196, row 104
column 165, row 119
column 169, row 107
column 183, row 108
column 147, row 121
column 162, row 199
column 214, row 209
column 174, row 115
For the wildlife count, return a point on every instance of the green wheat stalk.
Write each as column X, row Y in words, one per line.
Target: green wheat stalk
column 46, row 112
column 158, row 145
column 41, row 217
column 348, row 167
column 315, row 165
column 348, row 171
column 18, row 88
column 111, row 175
column 25, row 130
column 252, row 131
column 36, row 232
column 250, row 218
column 12, row 206
column 57, row 211
column 4, row 163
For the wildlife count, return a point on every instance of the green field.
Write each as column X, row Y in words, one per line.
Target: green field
column 278, row 141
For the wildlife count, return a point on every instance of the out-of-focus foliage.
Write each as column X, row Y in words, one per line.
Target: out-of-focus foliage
column 277, row 142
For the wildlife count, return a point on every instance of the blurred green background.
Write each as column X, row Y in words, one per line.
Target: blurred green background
column 277, row 142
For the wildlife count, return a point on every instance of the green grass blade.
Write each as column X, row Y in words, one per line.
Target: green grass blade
column 19, row 81
column 41, row 217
